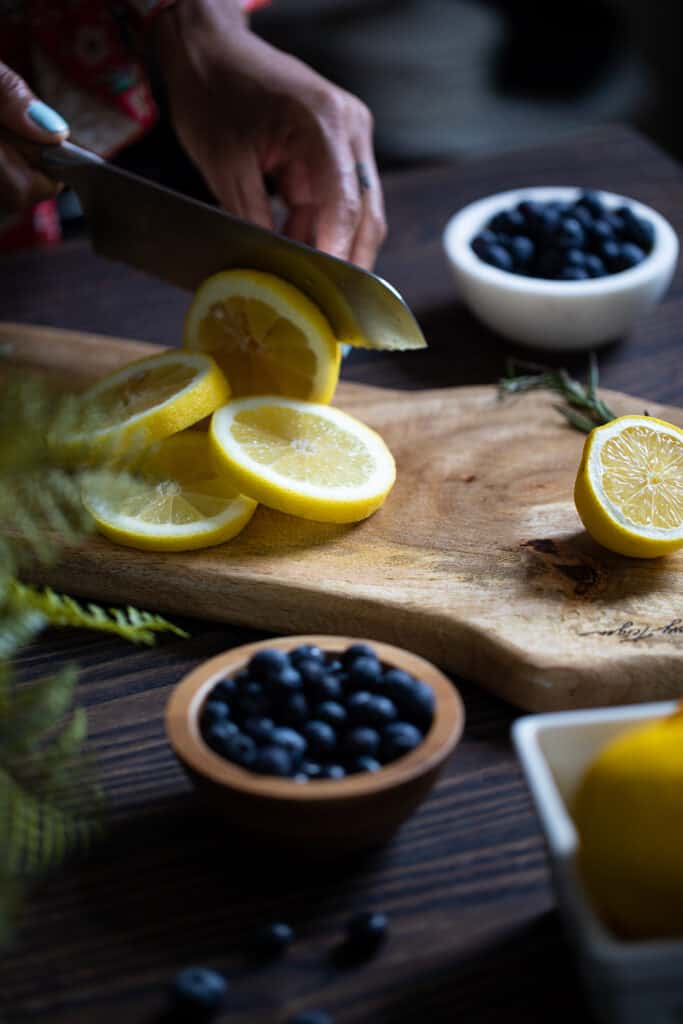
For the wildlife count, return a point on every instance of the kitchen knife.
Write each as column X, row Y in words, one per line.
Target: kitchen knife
column 184, row 241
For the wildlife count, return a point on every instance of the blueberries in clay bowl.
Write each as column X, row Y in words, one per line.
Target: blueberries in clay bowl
column 309, row 716
column 317, row 746
column 560, row 267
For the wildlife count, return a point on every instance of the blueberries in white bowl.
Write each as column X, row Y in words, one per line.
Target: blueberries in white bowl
column 353, row 714
column 573, row 240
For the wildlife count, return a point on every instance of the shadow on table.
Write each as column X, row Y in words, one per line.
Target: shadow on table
column 461, row 351
column 525, row 968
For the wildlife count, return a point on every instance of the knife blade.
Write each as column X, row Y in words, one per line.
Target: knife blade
column 184, row 241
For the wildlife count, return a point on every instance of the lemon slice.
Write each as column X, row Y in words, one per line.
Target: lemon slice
column 266, row 335
column 176, row 501
column 151, row 399
column 302, row 458
column 629, row 487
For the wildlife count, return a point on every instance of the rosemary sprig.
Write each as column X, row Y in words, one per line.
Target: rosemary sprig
column 584, row 397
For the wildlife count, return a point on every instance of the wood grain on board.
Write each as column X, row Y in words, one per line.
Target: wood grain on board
column 477, row 561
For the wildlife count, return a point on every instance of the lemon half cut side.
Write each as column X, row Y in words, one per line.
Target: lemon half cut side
column 303, row 458
column 266, row 335
column 176, row 500
column 629, row 487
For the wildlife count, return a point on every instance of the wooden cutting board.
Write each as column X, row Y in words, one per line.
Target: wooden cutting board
column 477, row 561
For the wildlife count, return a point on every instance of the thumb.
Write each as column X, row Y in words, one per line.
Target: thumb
column 22, row 113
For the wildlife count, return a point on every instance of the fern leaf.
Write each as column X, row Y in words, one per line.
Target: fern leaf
column 61, row 610
column 33, row 711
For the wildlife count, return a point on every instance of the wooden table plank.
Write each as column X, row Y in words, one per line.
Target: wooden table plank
column 475, row 936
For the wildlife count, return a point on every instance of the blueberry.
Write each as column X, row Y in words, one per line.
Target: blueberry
column 272, row 760
column 331, row 712
column 630, row 255
column 284, row 682
column 575, row 258
column 593, row 202
column 482, row 240
column 600, row 231
column 399, row 738
column 259, row 728
column 311, row 1017
column 365, row 932
column 240, row 749
column 311, row 769
column 370, row 709
column 357, row 651
column 522, row 250
column 217, row 736
column 290, row 740
column 594, row 265
column 361, row 742
column 327, row 687
column 413, row 698
column 267, row 661
column 547, row 224
column 295, row 709
column 310, row 669
column 308, row 651
column 531, row 210
column 573, row 274
column 336, row 665
column 225, row 690
column 569, row 234
column 509, row 222
column 199, row 989
column 583, row 215
column 364, row 673
column 320, row 737
column 497, row 256
column 638, row 230
column 357, row 705
column 252, row 700
column 616, row 222
column 272, row 939
column 363, row 764
column 332, row 771
column 609, row 252
column 215, row 711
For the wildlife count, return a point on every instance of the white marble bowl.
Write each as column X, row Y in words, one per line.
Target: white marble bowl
column 557, row 314
column 627, row 982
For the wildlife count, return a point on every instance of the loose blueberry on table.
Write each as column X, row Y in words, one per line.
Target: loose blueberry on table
column 199, row 991
column 307, row 714
column 565, row 241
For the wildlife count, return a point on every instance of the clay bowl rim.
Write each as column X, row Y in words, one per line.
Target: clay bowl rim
column 188, row 696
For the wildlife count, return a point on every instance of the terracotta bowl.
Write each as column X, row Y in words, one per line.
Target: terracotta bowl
column 318, row 818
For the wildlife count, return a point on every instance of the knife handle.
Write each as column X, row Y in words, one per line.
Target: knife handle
column 53, row 159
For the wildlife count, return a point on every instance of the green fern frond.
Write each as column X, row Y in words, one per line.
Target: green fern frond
column 18, row 626
column 61, row 610
column 30, row 712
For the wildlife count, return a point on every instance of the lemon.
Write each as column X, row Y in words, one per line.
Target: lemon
column 150, row 399
column 629, row 815
column 266, row 335
column 306, row 459
column 176, row 501
column 629, row 487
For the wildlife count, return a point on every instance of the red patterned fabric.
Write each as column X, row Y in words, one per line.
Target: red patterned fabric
column 81, row 57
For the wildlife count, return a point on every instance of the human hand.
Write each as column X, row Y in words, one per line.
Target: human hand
column 20, row 185
column 243, row 110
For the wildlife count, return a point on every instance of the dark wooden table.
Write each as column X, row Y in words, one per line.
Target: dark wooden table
column 474, row 931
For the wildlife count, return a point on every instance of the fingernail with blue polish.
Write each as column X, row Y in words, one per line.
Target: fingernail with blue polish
column 45, row 117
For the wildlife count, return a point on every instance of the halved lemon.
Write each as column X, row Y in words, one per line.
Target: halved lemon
column 629, row 487
column 266, row 335
column 176, row 501
column 306, row 459
column 150, row 399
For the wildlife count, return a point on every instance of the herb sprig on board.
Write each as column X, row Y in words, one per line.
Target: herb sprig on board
column 582, row 407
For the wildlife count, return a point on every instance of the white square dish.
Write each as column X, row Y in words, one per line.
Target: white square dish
column 627, row 982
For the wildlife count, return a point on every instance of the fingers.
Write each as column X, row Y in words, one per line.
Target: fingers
column 372, row 229
column 240, row 187
column 20, row 185
column 22, row 113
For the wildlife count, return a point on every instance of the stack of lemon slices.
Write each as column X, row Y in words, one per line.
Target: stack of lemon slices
column 261, row 360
